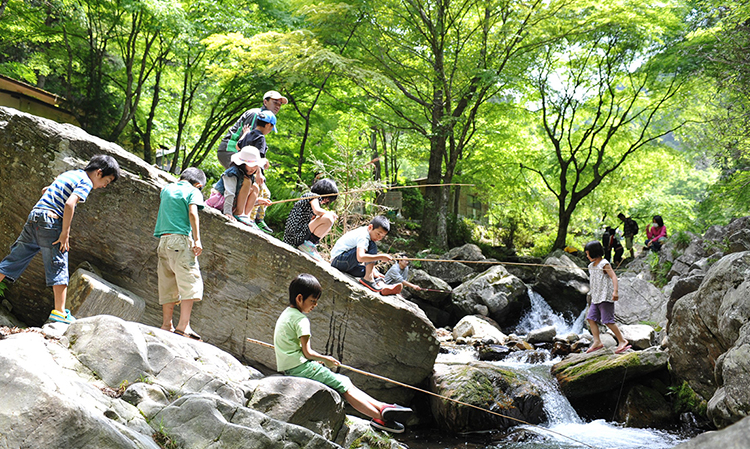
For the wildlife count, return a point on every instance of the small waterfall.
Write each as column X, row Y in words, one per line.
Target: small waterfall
column 541, row 315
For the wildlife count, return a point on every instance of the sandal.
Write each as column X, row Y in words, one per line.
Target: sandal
column 191, row 335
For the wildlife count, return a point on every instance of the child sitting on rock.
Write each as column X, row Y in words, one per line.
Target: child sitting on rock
column 295, row 356
column 308, row 222
column 399, row 273
column 47, row 228
column 265, row 123
column 356, row 253
column 603, row 291
column 178, row 230
column 237, row 191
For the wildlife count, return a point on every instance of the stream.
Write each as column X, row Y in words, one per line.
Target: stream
column 562, row 419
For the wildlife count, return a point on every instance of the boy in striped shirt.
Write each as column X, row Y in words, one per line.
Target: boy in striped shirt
column 47, row 228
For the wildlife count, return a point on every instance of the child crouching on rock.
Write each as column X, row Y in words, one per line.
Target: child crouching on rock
column 295, row 357
column 603, row 290
column 308, row 222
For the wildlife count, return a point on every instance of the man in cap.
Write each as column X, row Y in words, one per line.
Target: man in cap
column 272, row 101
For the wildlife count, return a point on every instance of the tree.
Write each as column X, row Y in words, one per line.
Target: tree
column 600, row 100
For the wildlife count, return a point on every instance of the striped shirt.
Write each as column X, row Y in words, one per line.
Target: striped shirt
column 71, row 182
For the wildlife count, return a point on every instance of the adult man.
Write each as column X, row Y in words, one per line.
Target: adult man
column 629, row 229
column 272, row 101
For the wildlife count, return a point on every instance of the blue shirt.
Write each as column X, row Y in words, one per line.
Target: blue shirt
column 71, row 182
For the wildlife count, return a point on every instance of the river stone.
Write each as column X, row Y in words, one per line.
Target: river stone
column 225, row 424
column 246, row 285
column 484, row 385
column 733, row 437
column 706, row 323
column 543, row 335
column 581, row 375
column 47, row 399
column 731, row 402
column 640, row 336
column 480, row 328
column 494, row 293
column 90, row 295
column 300, row 401
column 563, row 284
column 640, row 301
column 645, row 407
column 424, row 280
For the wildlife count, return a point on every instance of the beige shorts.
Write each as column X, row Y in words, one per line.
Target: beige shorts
column 178, row 270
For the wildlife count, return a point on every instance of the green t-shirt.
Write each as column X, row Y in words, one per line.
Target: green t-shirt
column 291, row 325
column 174, row 217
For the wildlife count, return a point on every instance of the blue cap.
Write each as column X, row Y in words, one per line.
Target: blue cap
column 268, row 117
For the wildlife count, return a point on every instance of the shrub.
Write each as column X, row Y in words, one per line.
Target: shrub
column 412, row 203
column 459, row 230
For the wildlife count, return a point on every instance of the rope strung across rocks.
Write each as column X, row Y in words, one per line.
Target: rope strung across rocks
column 491, row 262
column 371, row 189
column 401, row 384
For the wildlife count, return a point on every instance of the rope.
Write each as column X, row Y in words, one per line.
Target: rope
column 489, row 262
column 349, row 192
column 401, row 384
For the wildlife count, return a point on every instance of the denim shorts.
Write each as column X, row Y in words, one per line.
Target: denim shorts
column 316, row 371
column 347, row 261
column 41, row 229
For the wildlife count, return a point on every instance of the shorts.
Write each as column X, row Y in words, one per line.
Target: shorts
column 316, row 371
column 41, row 229
column 603, row 312
column 347, row 261
column 178, row 270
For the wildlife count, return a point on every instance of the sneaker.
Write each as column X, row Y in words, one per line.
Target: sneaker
column 58, row 317
column 309, row 248
column 263, row 226
column 393, row 412
column 388, row 426
column 374, row 286
column 245, row 220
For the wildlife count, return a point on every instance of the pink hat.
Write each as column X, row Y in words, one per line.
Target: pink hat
column 249, row 156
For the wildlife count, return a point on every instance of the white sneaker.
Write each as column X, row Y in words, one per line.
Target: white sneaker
column 309, row 248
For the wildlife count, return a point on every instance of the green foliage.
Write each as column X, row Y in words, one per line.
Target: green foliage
column 686, row 400
column 659, row 269
column 460, row 230
column 3, row 287
column 277, row 214
column 681, row 239
column 412, row 204
column 163, row 439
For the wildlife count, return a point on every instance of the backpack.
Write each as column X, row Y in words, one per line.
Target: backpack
column 232, row 143
column 635, row 226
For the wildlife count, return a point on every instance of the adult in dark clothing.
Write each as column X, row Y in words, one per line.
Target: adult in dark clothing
column 629, row 230
column 611, row 242
column 272, row 101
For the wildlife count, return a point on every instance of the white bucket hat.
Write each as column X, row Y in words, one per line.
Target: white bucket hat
column 249, row 156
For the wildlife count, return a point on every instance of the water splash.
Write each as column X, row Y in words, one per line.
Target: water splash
column 541, row 315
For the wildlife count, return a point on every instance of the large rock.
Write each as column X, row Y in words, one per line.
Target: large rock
column 436, row 292
column 731, row 402
column 563, row 284
column 733, row 437
column 706, row 323
column 90, row 295
column 640, row 336
column 495, row 293
column 479, row 328
column 246, row 274
column 582, row 375
column 640, row 301
column 481, row 384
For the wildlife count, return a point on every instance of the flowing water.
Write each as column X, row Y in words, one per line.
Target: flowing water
column 562, row 419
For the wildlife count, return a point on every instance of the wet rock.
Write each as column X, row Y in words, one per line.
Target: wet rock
column 487, row 386
column 493, row 353
column 480, row 328
column 543, row 335
column 495, row 293
column 733, row 437
column 581, row 375
column 645, row 407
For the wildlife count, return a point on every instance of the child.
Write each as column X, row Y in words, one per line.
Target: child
column 264, row 124
column 656, row 234
column 49, row 224
column 399, row 273
column 295, row 356
column 237, row 190
column 308, row 222
column 355, row 253
column 178, row 229
column 603, row 290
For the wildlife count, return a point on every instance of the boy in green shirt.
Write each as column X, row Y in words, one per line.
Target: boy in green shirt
column 295, row 357
column 178, row 229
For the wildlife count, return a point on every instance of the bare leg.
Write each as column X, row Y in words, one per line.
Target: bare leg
column 368, row 271
column 620, row 339
column 242, row 198
column 595, row 333
column 186, row 308
column 363, row 403
column 166, row 311
column 61, row 292
column 252, row 197
column 320, row 226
